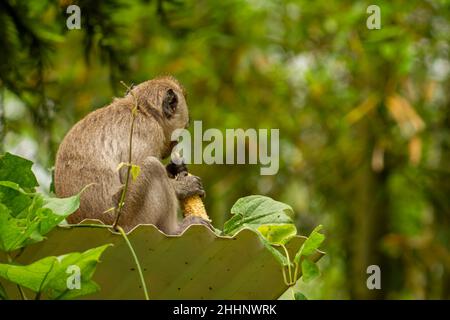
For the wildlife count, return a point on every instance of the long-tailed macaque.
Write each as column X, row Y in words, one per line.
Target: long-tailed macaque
column 97, row 144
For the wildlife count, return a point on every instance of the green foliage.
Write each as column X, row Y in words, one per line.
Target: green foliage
column 25, row 218
column 33, row 222
column 271, row 220
column 49, row 275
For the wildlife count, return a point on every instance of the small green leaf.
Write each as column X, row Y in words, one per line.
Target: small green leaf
column 254, row 211
column 299, row 296
column 309, row 270
column 278, row 234
column 135, row 171
column 62, row 206
column 49, row 275
column 310, row 245
column 313, row 242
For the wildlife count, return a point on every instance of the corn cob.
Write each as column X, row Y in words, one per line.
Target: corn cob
column 193, row 206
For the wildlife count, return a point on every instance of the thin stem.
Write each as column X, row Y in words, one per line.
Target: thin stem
column 289, row 264
column 138, row 265
column 297, row 264
column 295, row 272
column 22, row 293
column 284, row 276
column 130, row 148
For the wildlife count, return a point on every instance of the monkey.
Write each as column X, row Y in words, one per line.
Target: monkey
column 92, row 150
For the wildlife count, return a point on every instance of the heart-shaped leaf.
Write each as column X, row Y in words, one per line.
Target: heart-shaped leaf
column 254, row 211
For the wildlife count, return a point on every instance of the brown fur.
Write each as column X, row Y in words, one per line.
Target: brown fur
column 94, row 147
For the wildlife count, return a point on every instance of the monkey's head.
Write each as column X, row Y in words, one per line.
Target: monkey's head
column 164, row 99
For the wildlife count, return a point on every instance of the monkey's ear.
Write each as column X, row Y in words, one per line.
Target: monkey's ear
column 170, row 103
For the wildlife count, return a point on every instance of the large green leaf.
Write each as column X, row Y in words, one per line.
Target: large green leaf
column 254, row 211
column 50, row 275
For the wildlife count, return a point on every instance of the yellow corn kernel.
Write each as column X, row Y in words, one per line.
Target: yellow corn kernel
column 193, row 206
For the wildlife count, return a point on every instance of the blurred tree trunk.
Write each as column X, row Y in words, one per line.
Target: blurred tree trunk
column 369, row 217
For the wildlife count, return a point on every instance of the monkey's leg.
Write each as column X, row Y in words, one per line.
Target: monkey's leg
column 187, row 221
column 153, row 199
column 150, row 199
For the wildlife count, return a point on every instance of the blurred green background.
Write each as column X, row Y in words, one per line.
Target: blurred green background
column 363, row 114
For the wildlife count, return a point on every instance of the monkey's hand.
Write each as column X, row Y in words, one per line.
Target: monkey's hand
column 187, row 221
column 187, row 186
